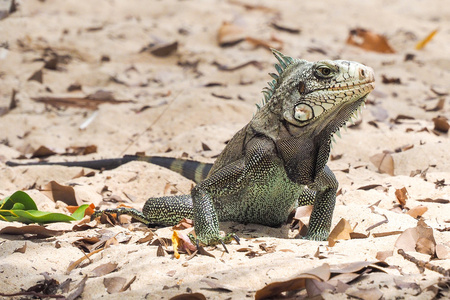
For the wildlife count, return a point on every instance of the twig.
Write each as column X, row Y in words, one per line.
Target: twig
column 424, row 264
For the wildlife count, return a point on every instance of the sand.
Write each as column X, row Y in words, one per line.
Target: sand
column 183, row 105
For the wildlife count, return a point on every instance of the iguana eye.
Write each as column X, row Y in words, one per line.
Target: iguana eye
column 323, row 72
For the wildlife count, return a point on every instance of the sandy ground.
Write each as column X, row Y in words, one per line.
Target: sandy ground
column 182, row 102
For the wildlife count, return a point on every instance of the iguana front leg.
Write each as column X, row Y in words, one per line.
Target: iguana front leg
column 224, row 182
column 325, row 187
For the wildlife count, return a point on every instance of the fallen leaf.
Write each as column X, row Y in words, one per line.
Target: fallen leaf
column 441, row 124
column 189, row 296
column 366, row 294
column 31, row 229
column 285, row 28
column 220, row 287
column 147, row 238
column 417, row 211
column 21, row 249
column 315, row 287
column 297, row 282
column 230, row 34
column 341, row 231
column 78, row 261
column 401, row 195
column 163, row 49
column 438, row 200
column 114, row 284
column 387, row 233
column 42, row 151
column 37, row 76
column 369, row 40
column 384, row 162
column 439, row 106
column 419, row 238
column 184, row 224
column 442, row 252
column 103, row 269
column 79, row 288
column 63, row 193
column 390, row 80
column 382, row 255
column 127, row 285
column 420, row 45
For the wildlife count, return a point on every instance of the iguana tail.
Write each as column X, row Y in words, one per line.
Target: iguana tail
column 193, row 170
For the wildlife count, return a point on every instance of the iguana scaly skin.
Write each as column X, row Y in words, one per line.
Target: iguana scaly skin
column 278, row 160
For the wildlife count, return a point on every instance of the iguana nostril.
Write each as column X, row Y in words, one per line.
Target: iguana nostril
column 362, row 73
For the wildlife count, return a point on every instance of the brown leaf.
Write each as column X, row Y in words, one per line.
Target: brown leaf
column 163, row 49
column 78, row 261
column 321, row 273
column 402, row 196
column 441, row 124
column 369, row 187
column 147, row 238
column 341, row 231
column 384, row 162
column 438, row 200
column 189, row 296
column 128, row 284
column 81, row 150
column 79, row 288
column 391, row 80
column 31, row 229
column 42, row 151
column 303, row 212
column 184, row 224
column 366, row 294
column 21, row 249
column 358, row 235
column 230, row 34
column 103, row 269
column 285, row 28
column 160, row 251
column 114, row 284
column 442, row 252
column 315, row 287
column 369, row 40
column 63, row 193
column 419, row 238
column 439, row 106
column 266, row 248
column 37, row 76
column 417, row 211
column 382, row 255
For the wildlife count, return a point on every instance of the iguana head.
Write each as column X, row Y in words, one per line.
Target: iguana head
column 305, row 104
column 317, row 96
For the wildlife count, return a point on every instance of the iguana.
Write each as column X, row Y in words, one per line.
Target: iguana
column 274, row 163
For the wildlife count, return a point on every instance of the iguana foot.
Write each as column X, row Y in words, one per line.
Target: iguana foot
column 215, row 240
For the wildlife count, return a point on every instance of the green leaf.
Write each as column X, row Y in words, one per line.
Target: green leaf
column 18, row 197
column 21, row 208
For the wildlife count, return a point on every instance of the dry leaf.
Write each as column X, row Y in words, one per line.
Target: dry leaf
column 384, row 162
column 163, row 49
column 369, row 40
column 31, row 229
column 442, row 252
column 37, row 76
column 417, row 211
column 438, row 200
column 21, row 249
column 42, row 151
column 114, row 284
column 103, row 269
column 230, row 34
column 340, row 232
column 366, row 294
column 184, row 224
column 441, row 124
column 419, row 238
column 382, row 255
column 439, row 106
column 402, row 196
column 189, row 296
column 147, row 238
column 216, row 286
column 285, row 28
column 58, row 192
column 79, row 288
column 388, row 233
column 420, row 45
column 321, row 273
